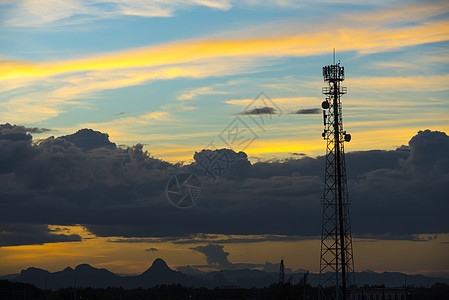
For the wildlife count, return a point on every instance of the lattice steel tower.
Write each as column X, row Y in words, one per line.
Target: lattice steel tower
column 336, row 264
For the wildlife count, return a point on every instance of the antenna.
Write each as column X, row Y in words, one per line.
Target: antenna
column 333, row 60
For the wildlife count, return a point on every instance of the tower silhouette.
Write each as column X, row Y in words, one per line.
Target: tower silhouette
column 281, row 272
column 336, row 262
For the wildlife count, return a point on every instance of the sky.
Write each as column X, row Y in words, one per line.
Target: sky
column 103, row 102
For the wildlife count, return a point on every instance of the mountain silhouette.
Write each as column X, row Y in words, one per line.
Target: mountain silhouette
column 159, row 265
column 85, row 275
column 90, row 276
column 82, row 276
column 159, row 273
column 34, row 276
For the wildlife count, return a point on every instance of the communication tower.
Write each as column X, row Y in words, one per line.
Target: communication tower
column 336, row 263
column 281, row 272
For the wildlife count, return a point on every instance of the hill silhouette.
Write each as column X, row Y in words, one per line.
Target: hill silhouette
column 159, row 273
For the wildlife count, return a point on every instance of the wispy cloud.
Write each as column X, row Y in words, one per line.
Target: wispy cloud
column 308, row 111
column 279, row 101
column 405, row 83
column 260, row 111
column 47, row 97
column 200, row 91
column 214, row 89
column 364, row 40
column 29, row 13
column 404, row 12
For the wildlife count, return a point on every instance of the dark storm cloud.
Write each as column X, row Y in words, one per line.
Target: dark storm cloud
column 406, row 191
column 14, row 133
column 26, row 234
column 85, row 179
column 80, row 178
column 260, row 111
column 308, row 111
column 429, row 156
column 88, row 139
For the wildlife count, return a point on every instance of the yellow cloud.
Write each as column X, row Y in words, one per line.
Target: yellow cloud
column 207, row 90
column 365, row 40
column 411, row 83
column 48, row 100
column 72, row 79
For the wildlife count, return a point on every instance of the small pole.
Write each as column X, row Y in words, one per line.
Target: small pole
column 405, row 285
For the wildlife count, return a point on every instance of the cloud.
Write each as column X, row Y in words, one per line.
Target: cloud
column 151, row 250
column 7, row 131
column 215, row 255
column 43, row 90
column 210, row 90
column 200, row 91
column 366, row 40
column 217, row 258
column 202, row 238
column 308, row 111
column 16, row 234
column 428, row 156
column 260, row 111
column 405, row 83
column 37, row 130
column 88, row 139
column 66, row 89
column 65, row 12
column 274, row 268
column 411, row 11
column 120, row 128
column 292, row 100
column 83, row 178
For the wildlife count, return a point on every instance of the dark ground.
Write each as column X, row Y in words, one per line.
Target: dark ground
column 16, row 290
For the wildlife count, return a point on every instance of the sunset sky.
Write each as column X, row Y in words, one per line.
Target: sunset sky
column 174, row 76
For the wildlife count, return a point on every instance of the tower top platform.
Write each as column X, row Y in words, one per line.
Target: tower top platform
column 334, row 73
